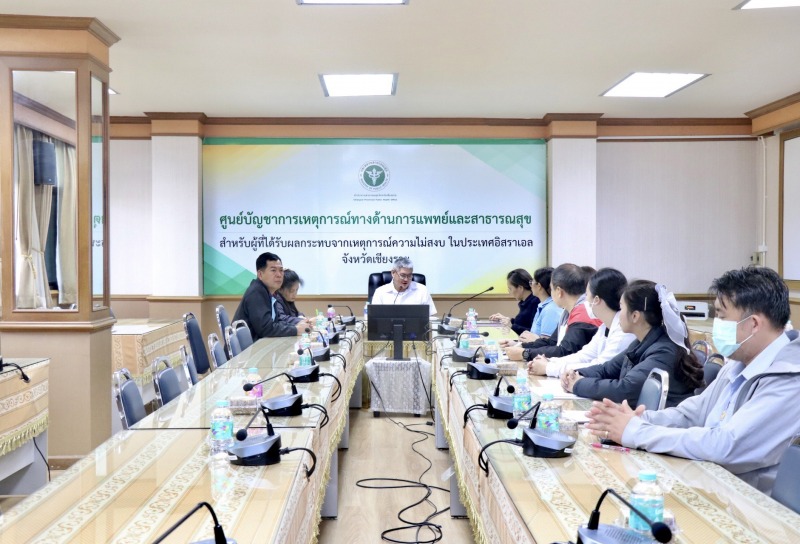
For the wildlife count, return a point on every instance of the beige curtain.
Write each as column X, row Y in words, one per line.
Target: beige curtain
column 32, row 211
column 67, row 228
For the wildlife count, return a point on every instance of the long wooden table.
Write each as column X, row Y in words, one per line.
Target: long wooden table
column 531, row 500
column 138, row 483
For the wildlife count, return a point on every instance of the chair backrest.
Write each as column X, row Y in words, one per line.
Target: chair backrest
column 223, row 321
column 705, row 347
column 233, row 342
column 654, row 390
column 129, row 399
column 165, row 381
column 218, row 355
column 243, row 334
column 196, row 344
column 712, row 367
column 188, row 363
column 792, row 334
column 786, row 489
column 376, row 279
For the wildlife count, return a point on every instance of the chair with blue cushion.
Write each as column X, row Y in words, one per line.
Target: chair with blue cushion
column 128, row 397
column 165, row 381
column 217, row 349
column 654, row 390
column 196, row 344
column 223, row 321
column 188, row 364
column 787, row 481
column 242, row 333
column 376, row 279
column 232, row 341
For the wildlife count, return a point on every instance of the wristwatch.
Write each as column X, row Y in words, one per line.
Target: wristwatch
column 526, row 354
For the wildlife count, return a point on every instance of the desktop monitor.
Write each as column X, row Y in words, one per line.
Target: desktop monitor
column 398, row 322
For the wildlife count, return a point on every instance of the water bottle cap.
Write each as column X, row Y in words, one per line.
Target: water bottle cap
column 330, row 305
column 252, row 370
column 223, row 403
column 647, row 476
column 547, row 396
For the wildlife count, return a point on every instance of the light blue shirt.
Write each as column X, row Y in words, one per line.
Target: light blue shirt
column 738, row 375
column 547, row 318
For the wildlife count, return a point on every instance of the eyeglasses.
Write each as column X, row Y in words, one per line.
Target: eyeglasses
column 404, row 276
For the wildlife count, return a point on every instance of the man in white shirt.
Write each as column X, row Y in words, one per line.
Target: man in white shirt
column 402, row 289
column 747, row 417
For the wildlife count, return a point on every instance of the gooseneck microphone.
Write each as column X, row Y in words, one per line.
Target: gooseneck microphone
column 450, row 313
column 509, row 388
column 241, row 434
column 593, row 532
column 249, row 386
column 475, row 355
column 514, row 421
column 219, row 534
column 345, row 319
column 22, row 376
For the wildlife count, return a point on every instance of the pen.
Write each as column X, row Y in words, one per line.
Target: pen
column 622, row 449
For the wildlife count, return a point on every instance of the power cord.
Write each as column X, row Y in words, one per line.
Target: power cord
column 43, row 459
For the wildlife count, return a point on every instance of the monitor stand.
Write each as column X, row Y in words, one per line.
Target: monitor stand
column 398, row 343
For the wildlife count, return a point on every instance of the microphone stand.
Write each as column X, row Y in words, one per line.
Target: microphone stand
column 594, row 533
column 450, row 313
column 219, row 534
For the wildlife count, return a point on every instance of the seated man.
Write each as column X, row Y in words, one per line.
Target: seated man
column 575, row 329
column 746, row 418
column 257, row 307
column 402, row 290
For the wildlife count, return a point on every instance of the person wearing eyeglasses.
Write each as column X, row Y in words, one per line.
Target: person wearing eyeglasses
column 403, row 289
column 257, row 307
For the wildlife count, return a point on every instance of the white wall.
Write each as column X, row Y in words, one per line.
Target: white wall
column 679, row 213
column 130, row 222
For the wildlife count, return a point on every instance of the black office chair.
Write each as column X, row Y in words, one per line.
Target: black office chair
column 196, row 344
column 242, row 334
column 792, row 334
column 165, row 381
column 376, row 279
column 232, row 341
column 217, row 349
column 188, row 364
column 786, row 489
column 712, row 367
column 654, row 390
column 129, row 399
column 223, row 321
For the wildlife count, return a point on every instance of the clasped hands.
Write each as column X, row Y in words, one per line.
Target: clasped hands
column 608, row 420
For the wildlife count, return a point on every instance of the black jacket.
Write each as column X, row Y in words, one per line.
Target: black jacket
column 623, row 376
column 256, row 310
column 578, row 335
column 524, row 319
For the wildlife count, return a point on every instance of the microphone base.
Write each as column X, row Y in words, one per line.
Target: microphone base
column 481, row 371
column 463, row 355
column 258, row 450
column 500, row 407
column 612, row 534
column 333, row 340
column 284, row 405
column 304, row 374
column 446, row 330
column 321, row 355
column 547, row 444
column 212, row 541
column 348, row 320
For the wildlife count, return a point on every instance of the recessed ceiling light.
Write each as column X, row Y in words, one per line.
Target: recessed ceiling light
column 351, row 2
column 358, row 84
column 760, row 4
column 112, row 91
column 652, row 84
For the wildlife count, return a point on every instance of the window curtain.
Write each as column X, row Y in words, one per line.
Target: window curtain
column 67, row 227
column 30, row 229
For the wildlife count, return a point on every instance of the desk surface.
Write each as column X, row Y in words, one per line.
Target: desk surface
column 135, row 485
column 525, row 499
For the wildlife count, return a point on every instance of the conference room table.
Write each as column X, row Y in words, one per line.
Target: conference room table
column 141, row 481
column 535, row 500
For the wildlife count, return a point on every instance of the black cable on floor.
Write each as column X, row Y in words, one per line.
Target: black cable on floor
column 43, row 458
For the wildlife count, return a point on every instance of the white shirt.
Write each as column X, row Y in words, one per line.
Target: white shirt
column 415, row 294
column 601, row 348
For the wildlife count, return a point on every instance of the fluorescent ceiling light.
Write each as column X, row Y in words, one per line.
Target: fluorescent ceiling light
column 358, row 84
column 351, row 2
column 652, row 85
column 760, row 4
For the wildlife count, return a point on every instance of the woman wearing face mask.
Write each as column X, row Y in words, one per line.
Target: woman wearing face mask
column 603, row 293
column 650, row 313
column 519, row 287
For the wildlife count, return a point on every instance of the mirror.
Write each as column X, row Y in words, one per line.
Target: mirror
column 98, row 195
column 45, row 190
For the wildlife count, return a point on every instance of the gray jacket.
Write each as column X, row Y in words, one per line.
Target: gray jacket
column 752, row 440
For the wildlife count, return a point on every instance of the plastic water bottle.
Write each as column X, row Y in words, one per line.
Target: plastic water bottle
column 331, row 312
column 522, row 395
column 305, row 358
column 331, row 327
column 472, row 323
column 491, row 351
column 366, row 310
column 254, row 377
column 549, row 413
column 463, row 340
column 305, row 341
column 221, row 428
column 320, row 320
column 648, row 497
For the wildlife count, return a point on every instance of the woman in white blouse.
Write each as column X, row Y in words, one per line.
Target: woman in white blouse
column 603, row 293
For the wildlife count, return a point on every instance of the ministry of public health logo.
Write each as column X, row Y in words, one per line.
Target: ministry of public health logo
column 374, row 176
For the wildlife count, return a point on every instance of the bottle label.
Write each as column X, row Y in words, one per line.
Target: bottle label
column 305, row 359
column 548, row 420
column 651, row 506
column 222, row 429
column 463, row 343
column 522, row 403
column 256, row 391
column 492, row 356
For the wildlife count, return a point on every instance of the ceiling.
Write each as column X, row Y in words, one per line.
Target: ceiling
column 455, row 58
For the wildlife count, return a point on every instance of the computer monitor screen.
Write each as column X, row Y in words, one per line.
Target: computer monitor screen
column 398, row 322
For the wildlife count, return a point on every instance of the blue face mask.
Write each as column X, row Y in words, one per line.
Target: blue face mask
column 724, row 336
